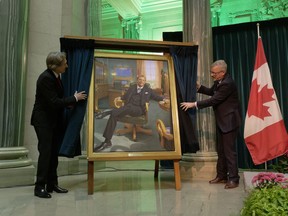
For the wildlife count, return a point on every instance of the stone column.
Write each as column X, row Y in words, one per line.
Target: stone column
column 94, row 16
column 131, row 27
column 197, row 28
column 16, row 168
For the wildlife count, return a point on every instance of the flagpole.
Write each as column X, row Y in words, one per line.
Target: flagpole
column 258, row 33
column 258, row 30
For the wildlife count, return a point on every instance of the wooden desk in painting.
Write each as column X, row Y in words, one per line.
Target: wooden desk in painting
column 113, row 93
column 101, row 84
column 101, row 91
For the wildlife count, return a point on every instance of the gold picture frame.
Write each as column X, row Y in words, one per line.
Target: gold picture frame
column 168, row 137
column 162, row 135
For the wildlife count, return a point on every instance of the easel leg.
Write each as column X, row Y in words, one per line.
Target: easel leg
column 156, row 169
column 177, row 174
column 90, row 177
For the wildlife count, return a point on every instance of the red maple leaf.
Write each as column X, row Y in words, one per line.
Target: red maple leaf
column 257, row 99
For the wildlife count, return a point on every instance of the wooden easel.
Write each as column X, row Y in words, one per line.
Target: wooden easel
column 138, row 46
column 176, row 173
column 156, row 172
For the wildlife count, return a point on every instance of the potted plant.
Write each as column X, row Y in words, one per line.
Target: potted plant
column 268, row 197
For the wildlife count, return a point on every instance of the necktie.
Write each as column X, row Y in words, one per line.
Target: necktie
column 59, row 82
column 138, row 90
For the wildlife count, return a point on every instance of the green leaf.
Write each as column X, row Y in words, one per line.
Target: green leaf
column 267, row 201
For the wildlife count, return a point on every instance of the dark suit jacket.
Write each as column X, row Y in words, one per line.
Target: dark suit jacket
column 147, row 94
column 225, row 102
column 49, row 101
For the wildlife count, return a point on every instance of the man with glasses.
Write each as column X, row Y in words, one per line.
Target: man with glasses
column 226, row 106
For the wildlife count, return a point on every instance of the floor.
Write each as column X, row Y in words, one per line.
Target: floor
column 126, row 188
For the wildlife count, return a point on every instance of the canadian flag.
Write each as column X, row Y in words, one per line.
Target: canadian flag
column 264, row 131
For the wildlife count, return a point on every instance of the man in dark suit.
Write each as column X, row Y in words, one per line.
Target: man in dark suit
column 226, row 106
column 135, row 99
column 47, row 121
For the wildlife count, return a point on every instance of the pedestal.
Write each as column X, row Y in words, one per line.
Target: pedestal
column 200, row 165
column 16, row 168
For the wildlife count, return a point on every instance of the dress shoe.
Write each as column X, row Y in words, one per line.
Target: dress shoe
column 42, row 193
column 231, row 184
column 103, row 145
column 56, row 188
column 218, row 180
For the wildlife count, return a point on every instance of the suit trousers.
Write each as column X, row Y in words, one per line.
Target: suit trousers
column 48, row 147
column 227, row 165
column 129, row 109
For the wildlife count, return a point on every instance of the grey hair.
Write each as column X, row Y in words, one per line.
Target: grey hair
column 220, row 63
column 55, row 59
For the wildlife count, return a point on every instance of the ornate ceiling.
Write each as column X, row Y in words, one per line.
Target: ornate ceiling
column 221, row 9
column 132, row 8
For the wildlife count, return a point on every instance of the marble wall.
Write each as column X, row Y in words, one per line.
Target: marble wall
column 48, row 21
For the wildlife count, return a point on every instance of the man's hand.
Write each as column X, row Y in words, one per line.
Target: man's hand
column 80, row 95
column 166, row 100
column 187, row 105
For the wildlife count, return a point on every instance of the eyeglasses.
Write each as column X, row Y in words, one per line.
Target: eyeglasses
column 215, row 73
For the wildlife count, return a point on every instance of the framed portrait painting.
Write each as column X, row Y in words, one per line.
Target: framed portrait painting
column 153, row 134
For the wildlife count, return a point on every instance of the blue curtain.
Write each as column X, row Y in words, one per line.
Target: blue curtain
column 185, row 66
column 80, row 55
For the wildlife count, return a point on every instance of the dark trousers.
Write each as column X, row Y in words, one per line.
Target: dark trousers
column 129, row 109
column 227, row 155
column 48, row 147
